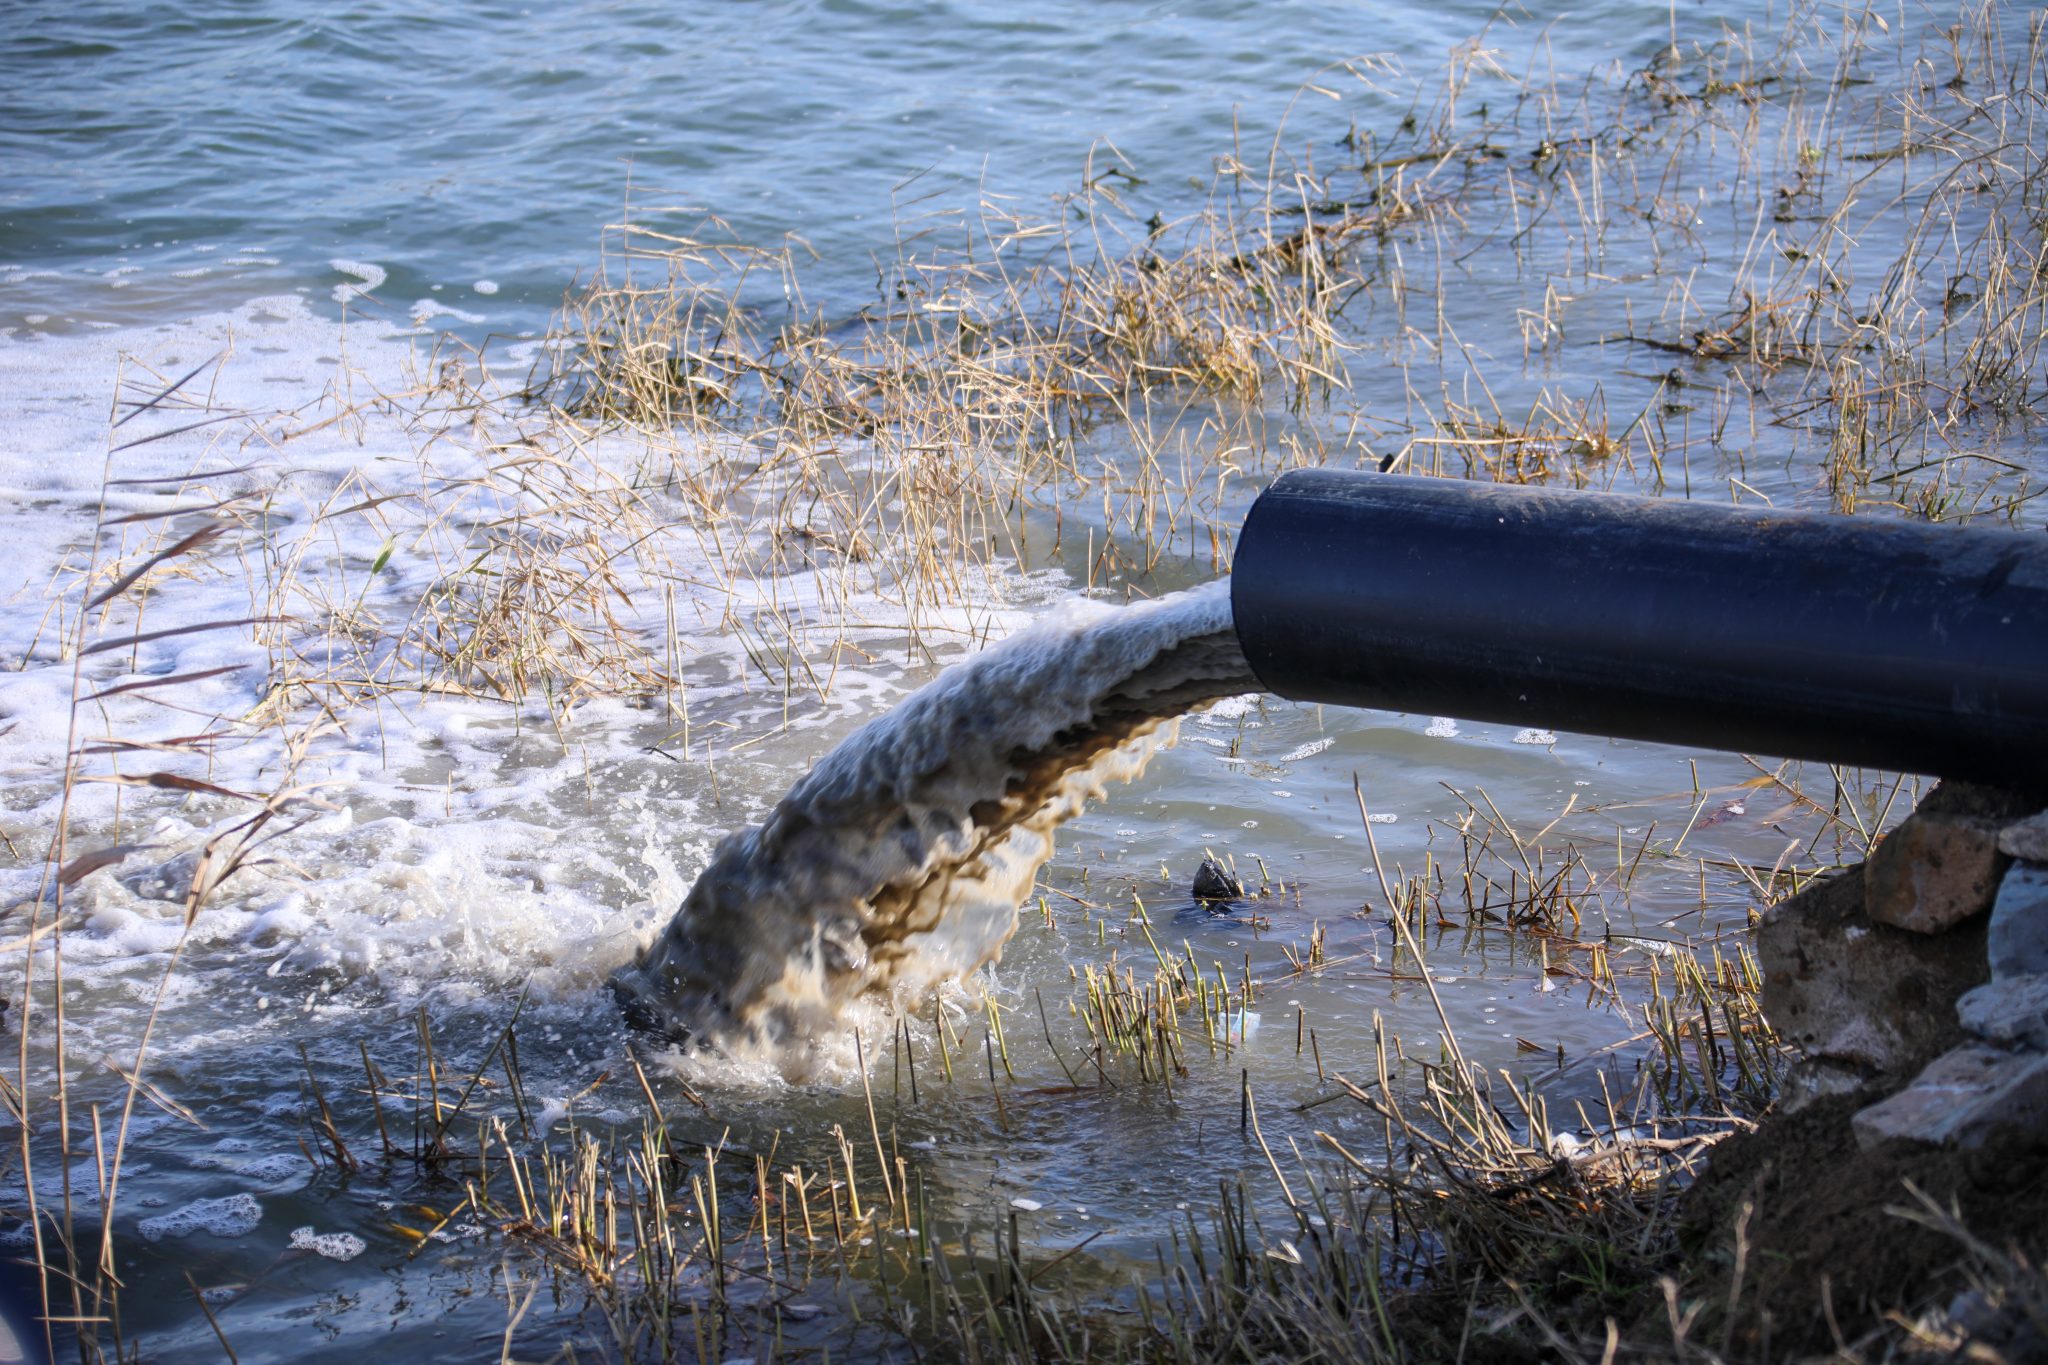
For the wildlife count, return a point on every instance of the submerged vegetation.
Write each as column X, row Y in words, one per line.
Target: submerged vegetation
column 1806, row 267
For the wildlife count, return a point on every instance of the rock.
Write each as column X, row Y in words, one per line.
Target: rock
column 2013, row 1012
column 2018, row 940
column 1973, row 1314
column 2003, row 805
column 1813, row 1079
column 1212, row 883
column 1861, row 994
column 2026, row 838
column 2001, row 1324
column 1960, row 1099
column 1933, row 872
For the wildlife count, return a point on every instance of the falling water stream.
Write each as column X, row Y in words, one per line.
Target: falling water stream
column 900, row 859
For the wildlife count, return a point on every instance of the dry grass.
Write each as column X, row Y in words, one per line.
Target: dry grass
column 694, row 440
column 132, row 563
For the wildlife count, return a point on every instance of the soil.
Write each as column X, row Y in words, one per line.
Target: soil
column 1829, row 1270
column 1820, row 1234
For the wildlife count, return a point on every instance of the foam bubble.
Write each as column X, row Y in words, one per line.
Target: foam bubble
column 1535, row 737
column 425, row 311
column 369, row 276
column 236, row 1215
column 280, row 1166
column 485, row 286
column 1233, row 708
column 335, row 1246
column 459, row 1232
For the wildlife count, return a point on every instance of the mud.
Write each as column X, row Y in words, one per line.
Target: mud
column 1822, row 1237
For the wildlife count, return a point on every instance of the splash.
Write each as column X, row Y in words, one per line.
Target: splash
column 900, row 859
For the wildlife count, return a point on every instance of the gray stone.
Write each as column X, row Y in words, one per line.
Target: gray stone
column 1863, row 995
column 1934, row 871
column 2018, row 940
column 2026, row 838
column 1812, row 1079
column 1960, row 1100
column 1973, row 1314
column 1998, row 1321
column 2012, row 1012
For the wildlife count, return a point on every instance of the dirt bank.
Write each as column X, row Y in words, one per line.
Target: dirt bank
column 1818, row 1217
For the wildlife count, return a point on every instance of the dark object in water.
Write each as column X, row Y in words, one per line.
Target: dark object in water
column 1212, row 883
column 1857, row 640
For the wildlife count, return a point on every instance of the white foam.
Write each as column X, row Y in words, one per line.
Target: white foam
column 471, row 854
column 1233, row 708
column 236, row 1215
column 369, row 276
column 275, row 1169
column 425, row 311
column 335, row 1246
column 477, row 883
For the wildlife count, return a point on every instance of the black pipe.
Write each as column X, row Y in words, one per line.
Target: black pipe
column 1857, row 640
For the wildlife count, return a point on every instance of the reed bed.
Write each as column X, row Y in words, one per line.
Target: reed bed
column 683, row 1249
column 694, row 441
